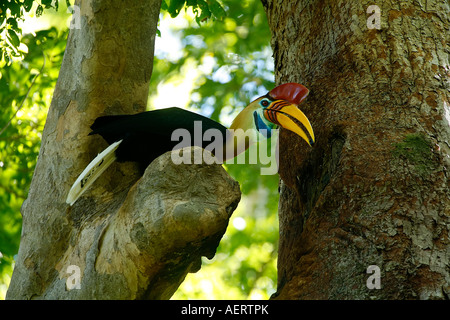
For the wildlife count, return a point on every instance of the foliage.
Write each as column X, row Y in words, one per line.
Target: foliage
column 21, row 128
column 226, row 46
column 233, row 55
column 11, row 13
column 244, row 266
column 203, row 9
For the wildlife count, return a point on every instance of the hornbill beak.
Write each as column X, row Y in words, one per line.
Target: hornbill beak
column 284, row 111
column 290, row 117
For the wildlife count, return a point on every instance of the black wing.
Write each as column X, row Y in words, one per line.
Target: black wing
column 147, row 135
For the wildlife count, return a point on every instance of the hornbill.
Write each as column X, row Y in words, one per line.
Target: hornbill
column 144, row 136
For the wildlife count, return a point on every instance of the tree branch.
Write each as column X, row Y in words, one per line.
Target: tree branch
column 170, row 218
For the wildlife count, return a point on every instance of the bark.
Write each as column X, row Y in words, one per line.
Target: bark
column 374, row 190
column 128, row 238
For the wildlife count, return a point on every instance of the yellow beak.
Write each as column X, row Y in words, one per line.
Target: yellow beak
column 290, row 117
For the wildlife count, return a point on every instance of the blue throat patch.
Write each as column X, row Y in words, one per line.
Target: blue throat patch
column 261, row 125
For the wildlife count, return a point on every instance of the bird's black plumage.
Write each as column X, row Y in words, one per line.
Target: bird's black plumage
column 147, row 135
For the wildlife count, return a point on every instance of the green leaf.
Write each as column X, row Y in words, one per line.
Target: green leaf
column 39, row 10
column 47, row 3
column 27, row 4
column 175, row 7
column 13, row 23
column 164, row 6
column 14, row 8
column 217, row 10
column 12, row 36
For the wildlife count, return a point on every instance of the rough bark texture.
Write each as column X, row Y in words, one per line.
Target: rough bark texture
column 130, row 239
column 144, row 247
column 375, row 189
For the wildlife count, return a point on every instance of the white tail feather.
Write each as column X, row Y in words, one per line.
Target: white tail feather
column 92, row 172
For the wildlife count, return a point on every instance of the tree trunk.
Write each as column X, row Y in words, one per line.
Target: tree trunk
column 365, row 213
column 127, row 238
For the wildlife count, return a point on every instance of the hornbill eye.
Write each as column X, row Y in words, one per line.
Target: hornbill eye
column 264, row 103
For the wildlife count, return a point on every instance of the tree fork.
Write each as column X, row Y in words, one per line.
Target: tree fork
column 116, row 240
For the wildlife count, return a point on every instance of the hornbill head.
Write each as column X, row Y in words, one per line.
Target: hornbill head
column 277, row 107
